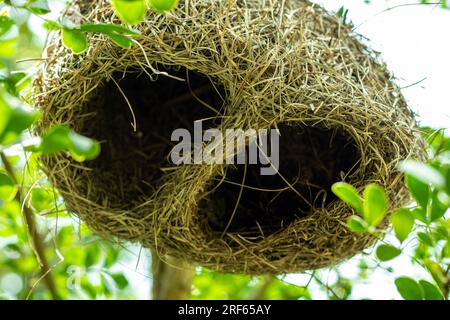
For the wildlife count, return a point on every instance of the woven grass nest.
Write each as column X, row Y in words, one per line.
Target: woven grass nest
column 233, row 64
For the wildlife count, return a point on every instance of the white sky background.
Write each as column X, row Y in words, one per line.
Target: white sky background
column 415, row 43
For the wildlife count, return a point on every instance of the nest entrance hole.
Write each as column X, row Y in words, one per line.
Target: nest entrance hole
column 311, row 160
column 135, row 135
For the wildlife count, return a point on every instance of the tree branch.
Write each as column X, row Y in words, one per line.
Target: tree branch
column 36, row 239
column 172, row 278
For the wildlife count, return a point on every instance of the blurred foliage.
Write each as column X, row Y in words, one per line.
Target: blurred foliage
column 426, row 223
column 82, row 266
column 211, row 286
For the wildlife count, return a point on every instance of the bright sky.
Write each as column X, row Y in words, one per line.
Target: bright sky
column 414, row 41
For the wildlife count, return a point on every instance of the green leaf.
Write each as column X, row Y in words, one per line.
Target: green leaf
column 41, row 199
column 375, row 204
column 162, row 5
column 8, row 188
column 430, row 291
column 120, row 280
column 436, row 271
column 108, row 28
column 349, row 195
column 420, row 214
column 425, row 238
column 18, row 120
column 14, row 82
column 8, row 47
column 75, row 40
column 356, row 224
column 403, row 222
column 387, row 252
column 51, row 25
column 423, row 172
column 38, row 6
column 441, row 233
column 447, row 181
column 118, row 34
column 120, row 40
column 92, row 256
column 5, row 111
column 446, row 250
column 83, row 148
column 5, row 25
column 55, row 140
column 409, row 289
column 436, row 209
column 60, row 139
column 419, row 190
column 130, row 11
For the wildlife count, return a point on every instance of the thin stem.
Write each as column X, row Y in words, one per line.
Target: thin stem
column 36, row 239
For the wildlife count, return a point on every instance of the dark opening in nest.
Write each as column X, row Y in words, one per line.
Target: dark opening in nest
column 311, row 160
column 135, row 135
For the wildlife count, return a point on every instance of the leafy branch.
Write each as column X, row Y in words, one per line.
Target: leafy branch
column 429, row 185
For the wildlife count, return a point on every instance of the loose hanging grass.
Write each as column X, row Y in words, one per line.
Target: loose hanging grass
column 232, row 64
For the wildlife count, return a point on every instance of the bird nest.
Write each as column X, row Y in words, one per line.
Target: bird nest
column 244, row 64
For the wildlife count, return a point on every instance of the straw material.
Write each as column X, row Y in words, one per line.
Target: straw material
column 245, row 64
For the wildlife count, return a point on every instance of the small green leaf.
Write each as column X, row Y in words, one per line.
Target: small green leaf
column 41, row 199
column 409, row 289
column 51, row 25
column 387, row 252
column 55, row 140
column 19, row 119
column 423, row 172
column 403, row 222
column 436, row 208
column 107, row 28
column 60, row 139
column 349, row 195
column 8, row 188
column 75, row 40
column 5, row 25
column 130, row 11
column 120, row 280
column 420, row 214
column 120, row 40
column 375, row 204
column 162, row 5
column 38, row 7
column 118, row 34
column 430, row 291
column 419, row 190
column 436, row 271
column 446, row 250
column 447, row 180
column 356, row 224
column 14, row 82
column 92, row 256
column 83, row 148
column 441, row 233
column 425, row 238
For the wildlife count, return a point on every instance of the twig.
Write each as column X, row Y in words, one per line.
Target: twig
column 446, row 285
column 261, row 291
column 172, row 278
column 36, row 240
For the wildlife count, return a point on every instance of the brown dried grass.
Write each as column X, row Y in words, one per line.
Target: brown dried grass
column 278, row 62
